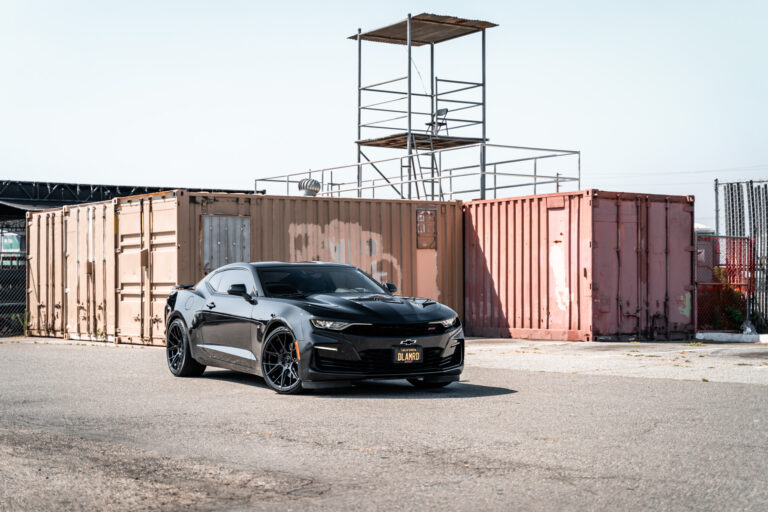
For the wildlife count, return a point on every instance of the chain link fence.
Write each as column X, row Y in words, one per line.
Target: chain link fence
column 13, row 277
column 725, row 282
column 743, row 206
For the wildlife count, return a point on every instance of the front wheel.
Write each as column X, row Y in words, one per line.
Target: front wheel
column 280, row 362
column 177, row 351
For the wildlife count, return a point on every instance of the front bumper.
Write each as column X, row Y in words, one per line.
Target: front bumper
column 358, row 357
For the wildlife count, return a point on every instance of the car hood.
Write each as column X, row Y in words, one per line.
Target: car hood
column 376, row 308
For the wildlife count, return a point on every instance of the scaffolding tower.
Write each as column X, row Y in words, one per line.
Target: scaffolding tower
column 445, row 100
column 438, row 141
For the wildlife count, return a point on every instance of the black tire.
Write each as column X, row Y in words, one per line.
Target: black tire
column 177, row 352
column 425, row 383
column 280, row 362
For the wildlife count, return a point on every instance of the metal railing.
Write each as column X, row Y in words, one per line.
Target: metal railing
column 454, row 100
column 446, row 174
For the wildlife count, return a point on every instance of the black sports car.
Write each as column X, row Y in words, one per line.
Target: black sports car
column 310, row 325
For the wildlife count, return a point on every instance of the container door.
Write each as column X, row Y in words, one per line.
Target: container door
column 45, row 276
column 85, row 272
column 57, row 269
column 76, row 283
column 226, row 239
column 146, row 270
column 679, row 268
column 131, row 260
column 617, row 272
column 35, row 302
column 426, row 253
column 558, row 277
column 160, row 243
column 101, row 278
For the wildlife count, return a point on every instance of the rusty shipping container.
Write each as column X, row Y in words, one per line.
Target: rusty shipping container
column 102, row 271
column 588, row 265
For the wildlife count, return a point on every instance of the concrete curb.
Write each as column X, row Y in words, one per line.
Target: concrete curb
column 732, row 337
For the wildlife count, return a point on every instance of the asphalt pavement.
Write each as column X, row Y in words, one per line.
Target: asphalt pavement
column 105, row 427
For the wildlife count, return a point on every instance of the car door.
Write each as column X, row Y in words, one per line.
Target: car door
column 226, row 330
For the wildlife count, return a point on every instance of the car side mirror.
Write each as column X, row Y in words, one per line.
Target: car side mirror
column 390, row 287
column 240, row 290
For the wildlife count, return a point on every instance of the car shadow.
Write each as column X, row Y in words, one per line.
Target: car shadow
column 399, row 389
column 233, row 376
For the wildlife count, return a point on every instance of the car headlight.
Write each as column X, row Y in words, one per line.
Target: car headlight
column 449, row 322
column 332, row 325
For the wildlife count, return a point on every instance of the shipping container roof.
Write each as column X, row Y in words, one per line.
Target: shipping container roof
column 19, row 197
column 425, row 29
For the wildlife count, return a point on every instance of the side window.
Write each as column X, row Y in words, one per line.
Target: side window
column 215, row 281
column 236, row 276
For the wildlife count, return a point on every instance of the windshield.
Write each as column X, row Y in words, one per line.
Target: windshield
column 300, row 281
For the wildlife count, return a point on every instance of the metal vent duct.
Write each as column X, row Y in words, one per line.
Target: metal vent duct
column 310, row 186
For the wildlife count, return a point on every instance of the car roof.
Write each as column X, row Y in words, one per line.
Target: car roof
column 266, row 264
column 261, row 264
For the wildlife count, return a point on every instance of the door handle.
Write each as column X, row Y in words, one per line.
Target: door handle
column 211, row 305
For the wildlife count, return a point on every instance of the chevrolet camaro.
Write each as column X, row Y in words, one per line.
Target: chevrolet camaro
column 308, row 326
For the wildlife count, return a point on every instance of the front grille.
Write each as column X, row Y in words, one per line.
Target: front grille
column 395, row 330
column 379, row 361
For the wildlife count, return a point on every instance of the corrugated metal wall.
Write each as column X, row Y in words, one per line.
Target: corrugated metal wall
column 102, row 271
column 416, row 245
column 523, row 261
column 579, row 266
column 648, row 290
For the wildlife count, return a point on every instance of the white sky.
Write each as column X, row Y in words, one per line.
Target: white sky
column 217, row 93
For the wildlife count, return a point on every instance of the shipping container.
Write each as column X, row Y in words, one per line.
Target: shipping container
column 588, row 265
column 102, row 271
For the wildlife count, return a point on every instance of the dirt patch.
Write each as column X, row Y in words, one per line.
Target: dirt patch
column 41, row 470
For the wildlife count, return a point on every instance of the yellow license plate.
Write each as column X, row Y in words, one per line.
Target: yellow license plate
column 407, row 355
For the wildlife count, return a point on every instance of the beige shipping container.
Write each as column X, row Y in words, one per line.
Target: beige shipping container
column 102, row 271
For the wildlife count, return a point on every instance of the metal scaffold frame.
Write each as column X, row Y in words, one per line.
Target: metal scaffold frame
column 521, row 167
column 421, row 30
column 447, row 157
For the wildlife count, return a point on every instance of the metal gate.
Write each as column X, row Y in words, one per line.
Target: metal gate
column 725, row 282
column 744, row 211
column 13, row 268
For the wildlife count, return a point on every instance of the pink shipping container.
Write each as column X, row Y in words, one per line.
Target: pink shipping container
column 588, row 265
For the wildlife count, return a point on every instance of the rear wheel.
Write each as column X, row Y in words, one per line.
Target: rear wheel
column 425, row 383
column 280, row 362
column 177, row 351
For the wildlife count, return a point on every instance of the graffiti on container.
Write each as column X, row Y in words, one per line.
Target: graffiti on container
column 684, row 304
column 314, row 242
